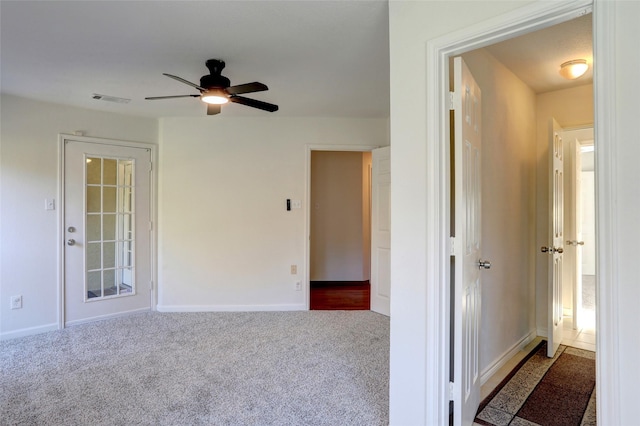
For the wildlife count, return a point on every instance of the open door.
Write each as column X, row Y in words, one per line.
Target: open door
column 555, row 248
column 466, row 244
column 380, row 230
column 573, row 225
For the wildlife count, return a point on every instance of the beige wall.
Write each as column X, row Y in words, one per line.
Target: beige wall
column 226, row 241
column 29, row 174
column 508, row 207
column 338, row 234
column 571, row 108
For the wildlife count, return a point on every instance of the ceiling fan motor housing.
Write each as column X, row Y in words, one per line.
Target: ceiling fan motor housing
column 215, row 79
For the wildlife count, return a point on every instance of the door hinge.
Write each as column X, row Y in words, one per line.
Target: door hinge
column 451, row 101
column 452, row 391
column 151, row 285
column 150, row 166
column 150, row 226
column 452, row 246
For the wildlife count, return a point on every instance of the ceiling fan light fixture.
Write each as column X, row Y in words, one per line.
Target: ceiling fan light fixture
column 214, row 96
column 574, row 69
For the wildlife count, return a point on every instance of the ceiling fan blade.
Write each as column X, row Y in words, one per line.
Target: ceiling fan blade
column 254, row 103
column 182, row 80
column 247, row 88
column 153, row 98
column 213, row 109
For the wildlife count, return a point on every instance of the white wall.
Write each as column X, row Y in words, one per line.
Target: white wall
column 508, row 208
column 226, row 240
column 28, row 175
column 571, row 108
column 337, row 249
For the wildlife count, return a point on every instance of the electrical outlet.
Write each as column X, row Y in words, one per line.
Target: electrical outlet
column 294, row 269
column 298, row 286
column 15, row 302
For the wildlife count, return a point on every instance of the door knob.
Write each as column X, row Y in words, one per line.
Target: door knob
column 71, row 242
column 484, row 264
column 551, row 250
column 575, row 243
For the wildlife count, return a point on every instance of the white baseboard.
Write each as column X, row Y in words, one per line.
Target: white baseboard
column 506, row 356
column 542, row 332
column 229, row 308
column 28, row 331
column 104, row 317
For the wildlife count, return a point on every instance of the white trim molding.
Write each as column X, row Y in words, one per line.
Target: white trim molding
column 605, row 148
column 231, row 308
column 535, row 16
column 28, row 331
column 506, row 356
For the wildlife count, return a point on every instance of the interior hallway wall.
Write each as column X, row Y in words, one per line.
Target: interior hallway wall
column 28, row 175
column 508, row 208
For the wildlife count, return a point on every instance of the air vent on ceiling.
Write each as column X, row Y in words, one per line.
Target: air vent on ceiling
column 111, row 99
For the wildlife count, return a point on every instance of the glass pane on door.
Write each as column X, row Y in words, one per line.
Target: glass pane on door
column 109, row 222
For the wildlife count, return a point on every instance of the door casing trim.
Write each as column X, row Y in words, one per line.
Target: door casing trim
column 307, row 197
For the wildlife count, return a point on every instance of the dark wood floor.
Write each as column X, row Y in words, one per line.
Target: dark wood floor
column 340, row 295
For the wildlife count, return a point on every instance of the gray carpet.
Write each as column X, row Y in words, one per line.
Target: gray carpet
column 264, row 368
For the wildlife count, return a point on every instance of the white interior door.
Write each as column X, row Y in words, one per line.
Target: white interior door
column 466, row 243
column 573, row 224
column 555, row 247
column 107, row 223
column 380, row 230
column 578, row 243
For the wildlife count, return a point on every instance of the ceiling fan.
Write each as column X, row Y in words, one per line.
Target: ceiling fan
column 216, row 90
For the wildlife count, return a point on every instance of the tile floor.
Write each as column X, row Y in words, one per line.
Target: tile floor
column 583, row 337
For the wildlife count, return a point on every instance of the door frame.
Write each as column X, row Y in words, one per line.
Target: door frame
column 535, row 16
column 307, row 196
column 60, row 249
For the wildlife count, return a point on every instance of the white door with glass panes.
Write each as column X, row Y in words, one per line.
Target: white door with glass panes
column 107, row 230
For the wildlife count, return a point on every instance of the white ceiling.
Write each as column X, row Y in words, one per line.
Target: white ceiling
column 319, row 58
column 536, row 57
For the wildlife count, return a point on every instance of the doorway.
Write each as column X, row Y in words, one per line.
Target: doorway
column 340, row 225
column 579, row 299
column 515, row 202
column 107, row 229
column 373, row 182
